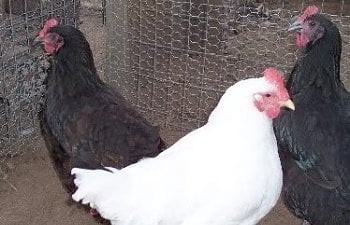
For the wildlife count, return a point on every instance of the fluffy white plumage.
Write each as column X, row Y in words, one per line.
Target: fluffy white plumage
column 227, row 172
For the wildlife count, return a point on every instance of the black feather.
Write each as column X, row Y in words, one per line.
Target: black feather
column 314, row 141
column 86, row 123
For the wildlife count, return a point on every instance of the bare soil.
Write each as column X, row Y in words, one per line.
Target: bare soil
column 31, row 193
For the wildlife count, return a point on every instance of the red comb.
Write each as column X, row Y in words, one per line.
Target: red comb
column 275, row 77
column 51, row 23
column 48, row 24
column 309, row 11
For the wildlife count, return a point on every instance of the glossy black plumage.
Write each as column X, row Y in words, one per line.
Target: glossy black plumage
column 314, row 141
column 86, row 123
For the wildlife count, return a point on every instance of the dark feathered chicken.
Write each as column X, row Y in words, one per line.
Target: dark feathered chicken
column 314, row 141
column 84, row 122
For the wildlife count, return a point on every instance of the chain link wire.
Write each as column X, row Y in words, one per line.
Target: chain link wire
column 173, row 59
column 22, row 69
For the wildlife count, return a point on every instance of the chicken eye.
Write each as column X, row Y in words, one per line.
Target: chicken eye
column 267, row 95
column 312, row 23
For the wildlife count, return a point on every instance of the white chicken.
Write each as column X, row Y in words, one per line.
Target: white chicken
column 227, row 172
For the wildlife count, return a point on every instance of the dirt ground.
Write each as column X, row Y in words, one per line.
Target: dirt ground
column 31, row 193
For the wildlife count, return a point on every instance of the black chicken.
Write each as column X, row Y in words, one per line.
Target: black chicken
column 84, row 122
column 314, row 141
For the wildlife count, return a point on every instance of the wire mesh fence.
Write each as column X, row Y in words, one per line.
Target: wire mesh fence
column 174, row 58
column 22, row 68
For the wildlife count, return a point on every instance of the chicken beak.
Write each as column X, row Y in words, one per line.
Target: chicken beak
column 288, row 104
column 296, row 25
column 37, row 41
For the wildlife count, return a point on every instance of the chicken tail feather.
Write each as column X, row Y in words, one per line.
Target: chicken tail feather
column 88, row 183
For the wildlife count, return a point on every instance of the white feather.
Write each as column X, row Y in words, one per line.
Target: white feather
column 227, row 172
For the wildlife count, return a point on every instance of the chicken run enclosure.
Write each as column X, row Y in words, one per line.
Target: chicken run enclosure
column 172, row 59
